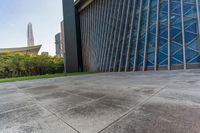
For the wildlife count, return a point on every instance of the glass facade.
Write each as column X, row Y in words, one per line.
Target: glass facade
column 140, row 35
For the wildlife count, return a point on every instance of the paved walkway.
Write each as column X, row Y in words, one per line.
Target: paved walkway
column 141, row 102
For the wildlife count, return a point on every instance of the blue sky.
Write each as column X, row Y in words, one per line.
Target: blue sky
column 45, row 16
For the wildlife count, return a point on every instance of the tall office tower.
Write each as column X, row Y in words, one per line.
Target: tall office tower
column 30, row 38
column 63, row 44
column 62, row 39
column 58, row 44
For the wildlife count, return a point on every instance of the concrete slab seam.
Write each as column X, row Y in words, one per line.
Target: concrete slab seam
column 54, row 114
column 132, row 109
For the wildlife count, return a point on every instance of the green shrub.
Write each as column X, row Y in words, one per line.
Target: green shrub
column 20, row 64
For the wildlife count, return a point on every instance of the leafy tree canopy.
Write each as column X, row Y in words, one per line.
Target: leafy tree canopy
column 20, row 64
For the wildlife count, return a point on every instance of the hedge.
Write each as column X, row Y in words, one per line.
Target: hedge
column 20, row 64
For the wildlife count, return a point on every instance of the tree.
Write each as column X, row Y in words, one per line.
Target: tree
column 19, row 64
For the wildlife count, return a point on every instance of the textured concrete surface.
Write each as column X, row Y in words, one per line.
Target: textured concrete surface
column 140, row 102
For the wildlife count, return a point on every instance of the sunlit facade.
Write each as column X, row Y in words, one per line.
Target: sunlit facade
column 139, row 35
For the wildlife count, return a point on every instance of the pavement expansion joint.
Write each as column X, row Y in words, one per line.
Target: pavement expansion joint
column 37, row 103
column 17, row 108
column 138, row 105
column 132, row 109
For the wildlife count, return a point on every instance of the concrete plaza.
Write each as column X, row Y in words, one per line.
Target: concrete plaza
column 140, row 102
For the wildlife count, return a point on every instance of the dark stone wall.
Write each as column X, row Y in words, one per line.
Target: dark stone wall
column 72, row 40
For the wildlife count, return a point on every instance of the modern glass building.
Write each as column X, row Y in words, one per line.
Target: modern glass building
column 138, row 35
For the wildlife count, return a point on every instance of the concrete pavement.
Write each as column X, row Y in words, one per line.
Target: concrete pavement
column 140, row 102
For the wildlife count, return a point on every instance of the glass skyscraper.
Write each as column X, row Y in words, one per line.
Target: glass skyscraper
column 139, row 35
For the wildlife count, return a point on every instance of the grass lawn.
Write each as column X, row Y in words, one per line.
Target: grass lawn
column 43, row 76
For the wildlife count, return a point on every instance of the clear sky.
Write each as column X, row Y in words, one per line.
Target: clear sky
column 45, row 15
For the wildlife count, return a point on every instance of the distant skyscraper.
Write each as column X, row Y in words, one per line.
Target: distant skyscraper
column 30, row 38
column 63, row 44
column 62, row 38
column 58, row 44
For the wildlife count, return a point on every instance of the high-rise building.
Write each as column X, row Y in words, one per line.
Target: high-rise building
column 30, row 49
column 62, row 38
column 58, row 44
column 135, row 35
column 63, row 44
column 30, row 38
